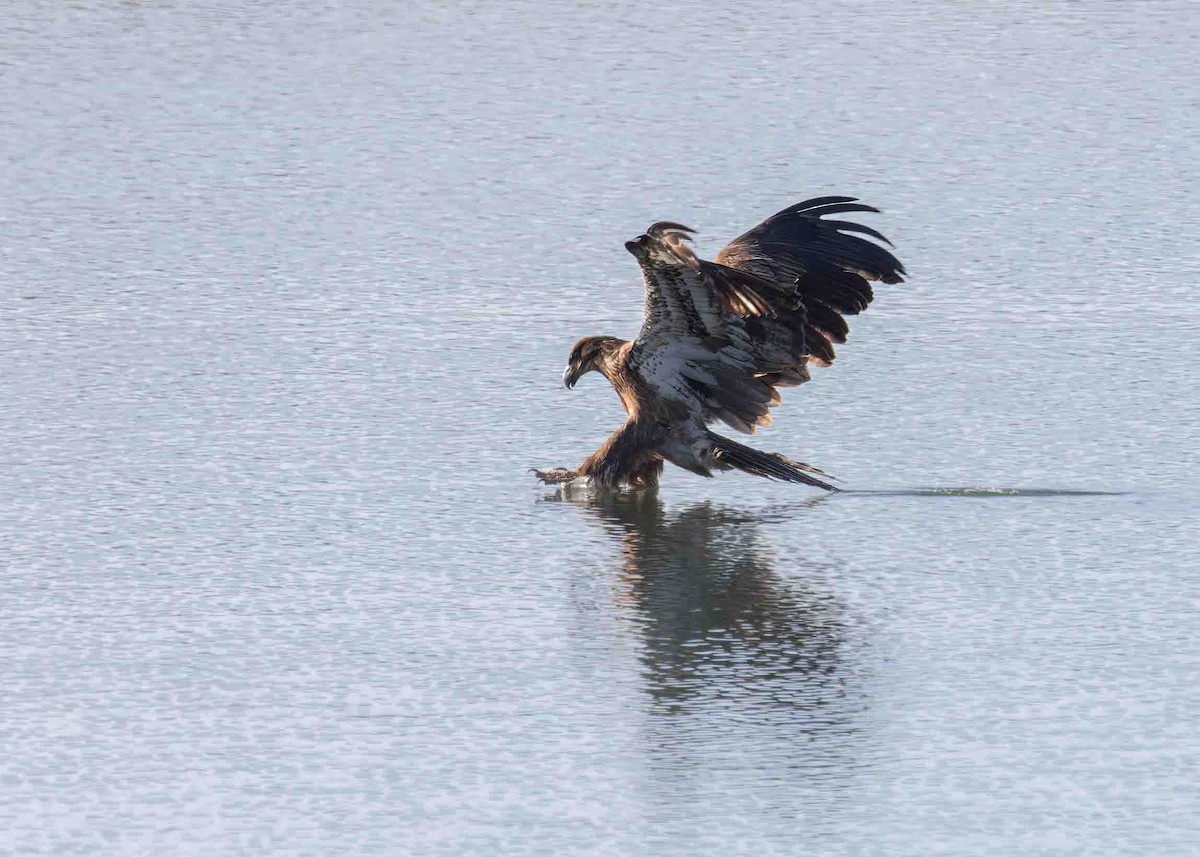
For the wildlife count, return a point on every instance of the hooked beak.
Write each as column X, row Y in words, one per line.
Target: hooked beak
column 570, row 377
column 634, row 247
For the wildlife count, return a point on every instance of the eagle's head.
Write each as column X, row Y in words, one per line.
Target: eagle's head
column 587, row 355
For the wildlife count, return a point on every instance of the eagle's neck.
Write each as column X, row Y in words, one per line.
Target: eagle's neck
column 614, row 365
column 614, row 359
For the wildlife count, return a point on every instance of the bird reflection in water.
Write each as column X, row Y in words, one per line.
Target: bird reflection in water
column 722, row 628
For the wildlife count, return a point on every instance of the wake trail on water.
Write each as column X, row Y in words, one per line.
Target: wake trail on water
column 981, row 492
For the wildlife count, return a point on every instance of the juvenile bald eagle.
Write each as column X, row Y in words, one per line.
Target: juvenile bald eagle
column 719, row 338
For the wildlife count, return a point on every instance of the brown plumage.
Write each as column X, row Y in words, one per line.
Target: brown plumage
column 720, row 337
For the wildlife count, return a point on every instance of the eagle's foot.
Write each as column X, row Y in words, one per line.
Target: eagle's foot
column 557, row 476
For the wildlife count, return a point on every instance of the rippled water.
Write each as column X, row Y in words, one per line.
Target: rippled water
column 286, row 294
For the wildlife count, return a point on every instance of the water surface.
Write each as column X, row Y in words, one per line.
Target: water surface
column 286, row 294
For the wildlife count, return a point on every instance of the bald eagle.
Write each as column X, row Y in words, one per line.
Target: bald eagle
column 720, row 338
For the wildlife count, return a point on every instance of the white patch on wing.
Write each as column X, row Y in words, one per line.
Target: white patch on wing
column 663, row 370
column 671, row 351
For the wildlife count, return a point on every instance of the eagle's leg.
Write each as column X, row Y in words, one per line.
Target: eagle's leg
column 646, row 475
column 554, row 477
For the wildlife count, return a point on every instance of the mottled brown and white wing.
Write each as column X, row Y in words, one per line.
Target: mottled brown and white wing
column 719, row 337
column 694, row 350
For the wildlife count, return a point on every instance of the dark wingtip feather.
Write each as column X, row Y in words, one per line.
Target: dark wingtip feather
column 818, row 345
column 829, row 322
column 820, row 200
column 841, row 208
column 850, row 226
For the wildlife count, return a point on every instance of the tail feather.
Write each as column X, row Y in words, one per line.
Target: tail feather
column 768, row 464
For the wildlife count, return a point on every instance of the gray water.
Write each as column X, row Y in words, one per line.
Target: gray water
column 287, row 290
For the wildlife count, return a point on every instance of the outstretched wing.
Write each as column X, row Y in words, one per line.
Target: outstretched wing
column 831, row 269
column 719, row 337
column 694, row 350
